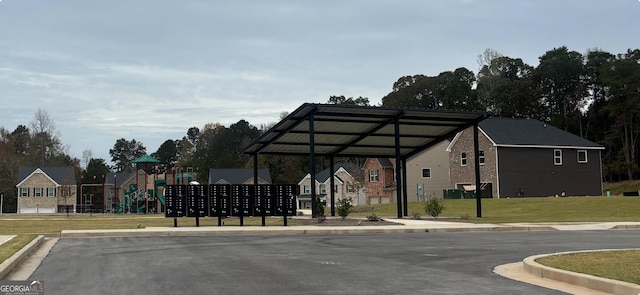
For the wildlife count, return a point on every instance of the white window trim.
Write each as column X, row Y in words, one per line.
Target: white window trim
column 24, row 190
column 481, row 158
column 323, row 188
column 586, row 159
column 556, row 158
column 307, row 189
column 53, row 189
column 463, row 159
column 35, row 192
column 374, row 175
column 422, row 173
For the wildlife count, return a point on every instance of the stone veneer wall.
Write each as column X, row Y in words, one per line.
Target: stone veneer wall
column 40, row 180
column 466, row 174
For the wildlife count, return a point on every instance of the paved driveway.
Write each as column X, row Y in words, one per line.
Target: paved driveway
column 429, row 263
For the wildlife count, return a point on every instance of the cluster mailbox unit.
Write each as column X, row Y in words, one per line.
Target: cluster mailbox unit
column 223, row 200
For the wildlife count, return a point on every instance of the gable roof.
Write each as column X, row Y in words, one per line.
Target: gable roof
column 60, row 174
column 351, row 168
column 121, row 177
column 237, row 176
column 531, row 132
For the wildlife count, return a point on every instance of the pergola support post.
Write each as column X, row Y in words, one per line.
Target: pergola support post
column 332, row 183
column 312, row 155
column 476, row 152
column 398, row 170
column 404, row 188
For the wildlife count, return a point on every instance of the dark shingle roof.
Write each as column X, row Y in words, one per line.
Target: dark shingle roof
column 62, row 175
column 352, row 168
column 385, row 163
column 121, row 177
column 237, row 176
column 530, row 132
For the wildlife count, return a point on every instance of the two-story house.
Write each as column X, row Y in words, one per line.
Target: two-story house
column 347, row 183
column 427, row 176
column 46, row 190
column 526, row 158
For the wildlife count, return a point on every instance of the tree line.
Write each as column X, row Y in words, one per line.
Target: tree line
column 594, row 95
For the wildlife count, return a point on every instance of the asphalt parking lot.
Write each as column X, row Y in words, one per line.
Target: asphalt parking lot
column 428, row 263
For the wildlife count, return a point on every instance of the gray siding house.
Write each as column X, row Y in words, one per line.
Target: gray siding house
column 526, row 158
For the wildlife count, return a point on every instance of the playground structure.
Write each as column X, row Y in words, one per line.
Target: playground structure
column 138, row 192
column 142, row 198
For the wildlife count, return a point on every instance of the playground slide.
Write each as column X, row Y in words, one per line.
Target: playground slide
column 159, row 195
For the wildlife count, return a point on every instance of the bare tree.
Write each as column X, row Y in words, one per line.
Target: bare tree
column 87, row 155
column 45, row 137
column 66, row 192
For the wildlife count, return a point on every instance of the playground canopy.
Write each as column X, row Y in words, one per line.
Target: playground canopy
column 146, row 159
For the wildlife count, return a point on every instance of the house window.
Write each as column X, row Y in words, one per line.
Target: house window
column 37, row 192
column 24, row 192
column 426, row 172
column 307, row 189
column 582, row 156
column 335, row 188
column 481, row 157
column 323, row 188
column 350, row 189
column 463, row 159
column 557, row 157
column 373, row 176
column 51, row 192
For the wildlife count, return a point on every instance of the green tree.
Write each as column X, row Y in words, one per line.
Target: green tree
column 622, row 77
column 447, row 91
column 560, row 86
column 360, row 101
column 21, row 138
column 124, row 152
column 9, row 163
column 505, row 88
column 167, row 154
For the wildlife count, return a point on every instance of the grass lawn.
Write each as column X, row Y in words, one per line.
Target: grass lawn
column 617, row 265
column 567, row 209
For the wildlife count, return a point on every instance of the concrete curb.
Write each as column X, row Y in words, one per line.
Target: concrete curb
column 579, row 279
column 9, row 264
column 289, row 230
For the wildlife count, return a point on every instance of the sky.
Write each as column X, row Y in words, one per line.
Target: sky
column 150, row 69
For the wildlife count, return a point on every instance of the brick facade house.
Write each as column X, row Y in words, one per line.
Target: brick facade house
column 46, row 190
column 526, row 158
column 380, row 180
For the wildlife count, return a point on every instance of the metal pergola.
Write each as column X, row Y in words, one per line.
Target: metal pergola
column 331, row 131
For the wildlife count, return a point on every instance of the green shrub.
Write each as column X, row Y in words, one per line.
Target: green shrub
column 344, row 207
column 319, row 207
column 434, row 207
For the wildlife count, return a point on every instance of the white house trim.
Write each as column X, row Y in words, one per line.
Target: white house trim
column 38, row 170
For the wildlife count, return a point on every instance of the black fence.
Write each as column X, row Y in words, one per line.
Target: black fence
column 224, row 200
